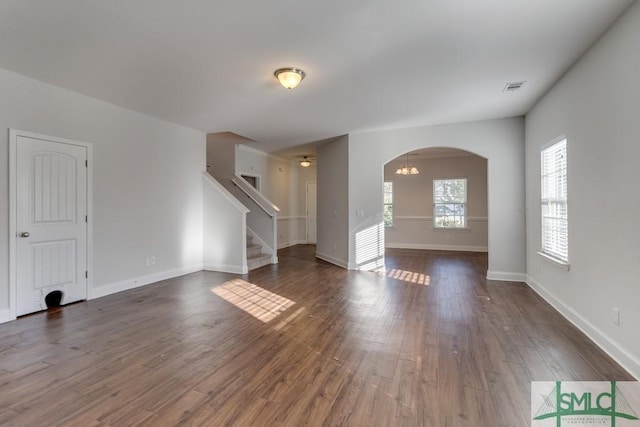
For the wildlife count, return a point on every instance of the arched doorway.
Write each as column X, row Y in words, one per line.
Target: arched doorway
column 350, row 222
column 442, row 207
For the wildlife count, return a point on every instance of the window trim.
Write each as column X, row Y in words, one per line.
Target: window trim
column 548, row 256
column 555, row 261
column 465, row 204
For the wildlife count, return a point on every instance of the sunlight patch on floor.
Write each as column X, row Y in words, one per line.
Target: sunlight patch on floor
column 254, row 300
column 409, row 276
column 289, row 318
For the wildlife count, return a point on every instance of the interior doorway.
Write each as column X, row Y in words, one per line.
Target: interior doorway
column 441, row 205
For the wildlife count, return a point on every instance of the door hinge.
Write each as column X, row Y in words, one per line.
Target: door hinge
column 86, row 274
column 86, row 218
column 86, row 163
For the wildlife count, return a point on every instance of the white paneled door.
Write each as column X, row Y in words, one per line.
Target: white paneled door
column 312, row 221
column 51, row 222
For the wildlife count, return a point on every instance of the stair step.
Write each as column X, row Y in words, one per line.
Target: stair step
column 255, row 257
column 258, row 261
column 253, row 250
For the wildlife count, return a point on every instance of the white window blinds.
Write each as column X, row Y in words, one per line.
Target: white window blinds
column 555, row 227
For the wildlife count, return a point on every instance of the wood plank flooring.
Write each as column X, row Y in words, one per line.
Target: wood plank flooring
column 428, row 342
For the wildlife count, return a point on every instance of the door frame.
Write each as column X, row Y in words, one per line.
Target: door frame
column 13, row 209
column 306, row 209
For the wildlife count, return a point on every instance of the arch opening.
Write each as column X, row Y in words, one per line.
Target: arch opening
column 442, row 207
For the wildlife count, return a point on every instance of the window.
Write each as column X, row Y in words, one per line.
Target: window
column 450, row 203
column 387, row 212
column 555, row 227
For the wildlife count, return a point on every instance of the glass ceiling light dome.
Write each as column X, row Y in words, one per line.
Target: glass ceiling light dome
column 289, row 77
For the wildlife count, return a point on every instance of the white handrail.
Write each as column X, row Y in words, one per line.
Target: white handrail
column 264, row 203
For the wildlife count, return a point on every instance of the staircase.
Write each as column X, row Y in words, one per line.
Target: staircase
column 255, row 257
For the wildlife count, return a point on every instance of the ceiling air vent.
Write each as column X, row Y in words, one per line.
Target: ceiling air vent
column 513, row 86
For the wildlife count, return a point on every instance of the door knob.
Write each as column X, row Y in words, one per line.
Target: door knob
column 24, row 234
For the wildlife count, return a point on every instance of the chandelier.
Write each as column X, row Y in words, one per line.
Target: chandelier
column 406, row 168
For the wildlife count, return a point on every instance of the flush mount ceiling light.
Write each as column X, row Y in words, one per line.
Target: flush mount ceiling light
column 289, row 77
column 407, row 168
column 305, row 163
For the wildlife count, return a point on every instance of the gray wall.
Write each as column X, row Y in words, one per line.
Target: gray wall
column 597, row 106
column 333, row 201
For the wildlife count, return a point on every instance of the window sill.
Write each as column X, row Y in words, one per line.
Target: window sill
column 561, row 264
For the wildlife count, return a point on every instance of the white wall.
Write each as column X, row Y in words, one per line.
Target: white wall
column 333, row 201
column 224, row 229
column 500, row 141
column 282, row 182
column 413, row 204
column 597, row 106
column 147, row 186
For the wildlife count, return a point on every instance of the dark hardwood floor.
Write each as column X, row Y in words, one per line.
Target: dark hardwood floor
column 428, row 342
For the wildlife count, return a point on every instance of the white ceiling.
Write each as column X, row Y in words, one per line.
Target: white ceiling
column 370, row 64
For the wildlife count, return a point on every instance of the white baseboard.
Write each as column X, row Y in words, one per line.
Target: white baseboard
column 332, row 260
column 5, row 315
column 506, row 276
column 227, row 268
column 612, row 348
column 112, row 288
column 430, row 247
column 283, row 245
